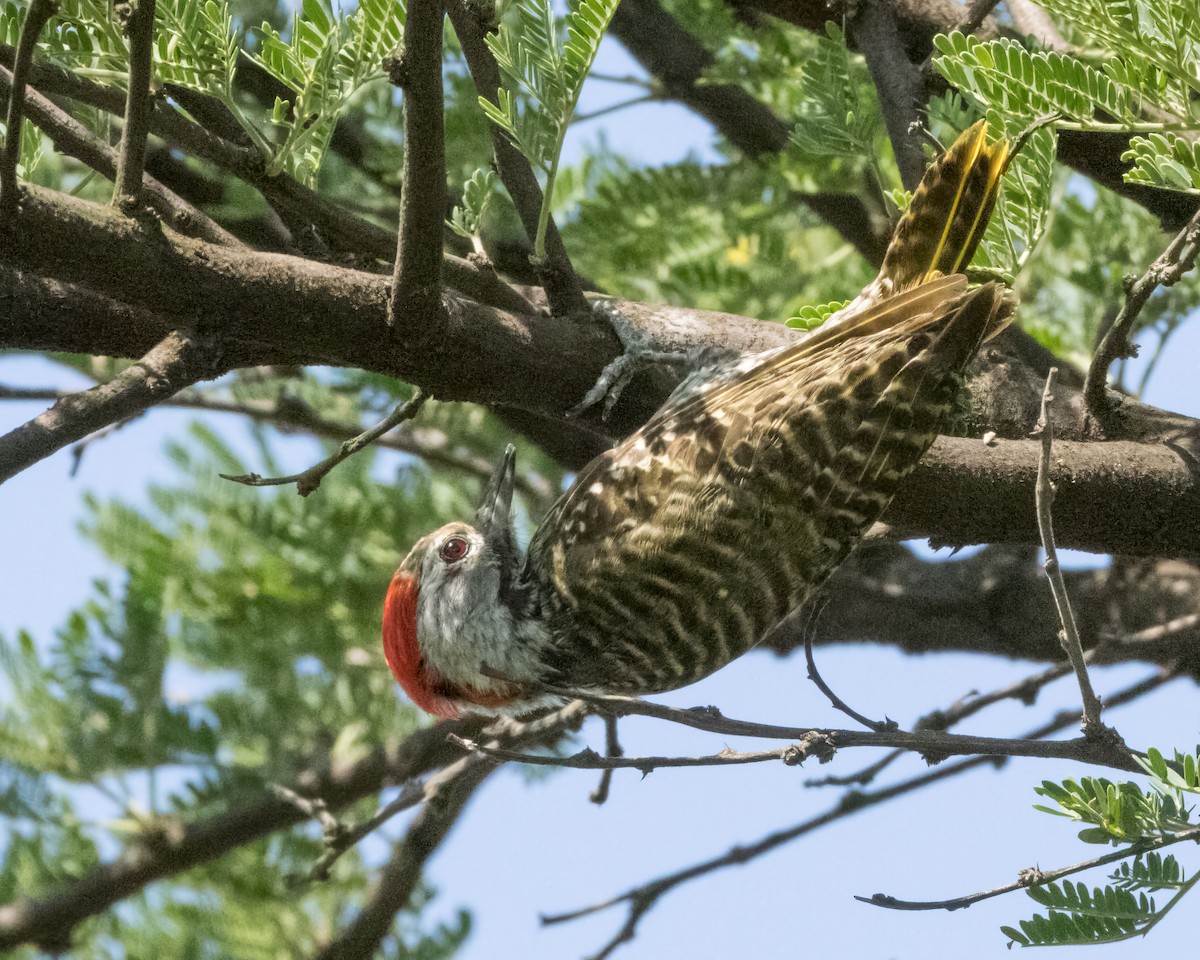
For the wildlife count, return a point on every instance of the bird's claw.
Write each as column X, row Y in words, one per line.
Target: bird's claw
column 617, row 375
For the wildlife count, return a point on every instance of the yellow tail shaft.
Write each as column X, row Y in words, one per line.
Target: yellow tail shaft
column 949, row 212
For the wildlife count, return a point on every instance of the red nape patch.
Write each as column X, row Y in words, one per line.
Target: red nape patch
column 403, row 651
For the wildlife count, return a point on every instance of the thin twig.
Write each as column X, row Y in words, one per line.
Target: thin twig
column 290, row 414
column 362, row 937
column 132, row 160
column 309, row 480
column 820, row 742
column 341, row 838
column 810, row 630
column 1175, row 261
column 1069, row 637
column 176, row 362
column 415, row 303
column 642, row 898
column 612, row 748
column 1033, row 877
column 38, row 13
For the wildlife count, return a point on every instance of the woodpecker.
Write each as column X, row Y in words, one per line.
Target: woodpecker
column 678, row 550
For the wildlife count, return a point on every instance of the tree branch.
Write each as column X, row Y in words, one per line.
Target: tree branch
column 36, row 16
column 821, row 742
column 132, row 160
column 1138, row 498
column 75, row 140
column 290, row 414
column 1069, row 634
column 176, row 846
column 1033, row 877
column 417, row 280
column 447, row 795
column 1175, row 261
column 172, row 846
column 177, row 362
column 310, row 479
column 898, row 82
column 640, row 900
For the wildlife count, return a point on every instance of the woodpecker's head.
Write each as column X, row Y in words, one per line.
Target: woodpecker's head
column 450, row 609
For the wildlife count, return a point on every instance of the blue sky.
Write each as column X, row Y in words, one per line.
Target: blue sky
column 526, row 849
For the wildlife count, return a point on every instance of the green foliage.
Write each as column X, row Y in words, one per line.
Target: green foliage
column 1125, row 815
column 325, row 60
column 467, row 219
column 718, row 238
column 543, row 63
column 809, row 318
column 1164, row 160
column 237, row 647
column 196, row 46
column 838, row 111
column 1141, row 78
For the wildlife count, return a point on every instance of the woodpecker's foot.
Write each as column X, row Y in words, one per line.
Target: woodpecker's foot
column 636, row 356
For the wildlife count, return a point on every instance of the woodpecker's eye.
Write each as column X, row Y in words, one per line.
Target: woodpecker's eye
column 454, row 549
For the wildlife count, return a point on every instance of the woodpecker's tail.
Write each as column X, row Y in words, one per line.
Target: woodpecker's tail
column 948, row 214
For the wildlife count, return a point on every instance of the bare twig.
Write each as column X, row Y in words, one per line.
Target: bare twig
column 341, row 838
column 641, row 899
column 1070, row 630
column 821, row 742
column 1175, row 261
column 1033, row 877
column 289, row 414
column 563, row 287
column 612, row 748
column 132, row 160
column 415, row 301
column 38, row 13
column 309, row 480
column 75, row 140
column 176, row 362
column 814, row 675
column 449, row 792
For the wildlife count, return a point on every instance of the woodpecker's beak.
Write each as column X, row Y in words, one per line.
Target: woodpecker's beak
column 494, row 517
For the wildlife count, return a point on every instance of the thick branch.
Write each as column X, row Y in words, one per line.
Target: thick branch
column 1117, row 497
column 417, row 280
column 898, row 82
column 75, row 140
column 132, row 160
column 176, row 362
column 996, row 603
column 271, row 308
